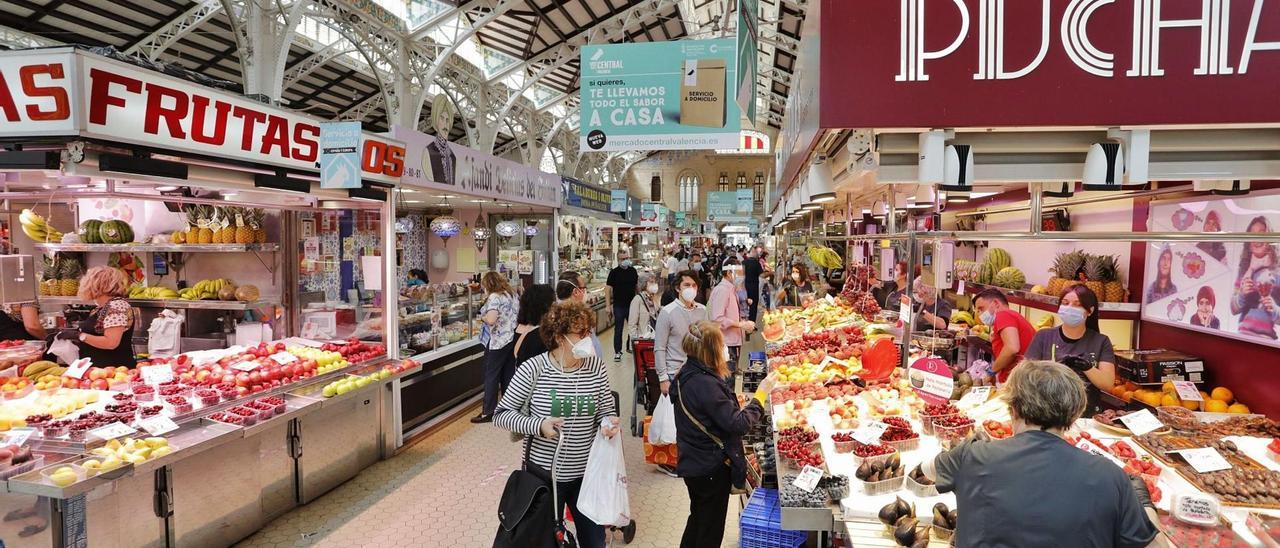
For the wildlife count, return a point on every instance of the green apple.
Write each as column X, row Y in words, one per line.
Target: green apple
column 63, row 479
column 91, row 464
column 330, row 390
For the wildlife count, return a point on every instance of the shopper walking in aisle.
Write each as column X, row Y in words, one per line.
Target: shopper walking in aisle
column 709, row 429
column 534, row 304
column 767, row 290
column 930, row 311
column 724, row 309
column 669, row 268
column 795, row 286
column 641, row 323
column 572, row 286
column 497, row 335
column 1001, row 485
column 673, row 323
column 1011, row 333
column 752, row 268
column 567, row 393
column 1079, row 344
column 620, row 289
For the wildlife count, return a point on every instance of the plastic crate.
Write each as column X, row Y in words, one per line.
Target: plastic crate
column 761, row 523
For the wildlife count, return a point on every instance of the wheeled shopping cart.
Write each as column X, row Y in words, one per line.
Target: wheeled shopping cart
column 642, row 354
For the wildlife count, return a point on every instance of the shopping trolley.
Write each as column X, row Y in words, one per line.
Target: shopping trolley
column 642, row 354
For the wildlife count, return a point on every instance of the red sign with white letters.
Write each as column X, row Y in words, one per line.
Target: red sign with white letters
column 75, row 93
column 1036, row 63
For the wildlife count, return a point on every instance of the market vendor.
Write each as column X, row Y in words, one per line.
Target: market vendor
column 894, row 290
column 106, row 335
column 1010, row 332
column 417, row 276
column 930, row 312
column 21, row 324
column 1079, row 344
column 1003, row 486
column 795, row 286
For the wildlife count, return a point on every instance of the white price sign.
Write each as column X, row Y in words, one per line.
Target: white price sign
column 245, row 366
column 976, row 396
column 904, row 314
column 112, row 431
column 284, row 358
column 1204, row 459
column 1097, row 450
column 77, row 368
column 869, row 434
column 157, row 425
column 1141, row 422
column 939, row 385
column 1196, row 508
column 808, row 478
column 156, row 374
column 960, row 288
column 18, row 436
column 1187, row 391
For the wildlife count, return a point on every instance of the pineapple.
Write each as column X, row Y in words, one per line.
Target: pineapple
column 48, row 278
column 1065, row 267
column 258, row 221
column 69, row 277
column 243, row 234
column 215, row 225
column 229, row 225
column 205, row 232
column 1113, row 287
column 1094, row 273
column 193, row 224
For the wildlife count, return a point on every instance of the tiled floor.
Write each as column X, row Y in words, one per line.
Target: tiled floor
column 444, row 491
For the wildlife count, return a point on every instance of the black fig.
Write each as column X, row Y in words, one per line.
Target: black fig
column 904, row 532
column 894, row 461
column 940, row 514
column 864, row 471
column 922, row 538
column 889, row 514
column 953, row 518
column 903, row 508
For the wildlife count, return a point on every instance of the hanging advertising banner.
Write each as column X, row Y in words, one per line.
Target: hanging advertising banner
column 982, row 63
column 676, row 95
column 586, row 196
column 618, row 201
column 435, row 163
column 745, row 201
column 680, row 219
column 753, row 226
column 748, row 56
column 722, row 206
column 649, row 215
column 1223, row 288
column 66, row 91
column 340, row 155
column 633, row 210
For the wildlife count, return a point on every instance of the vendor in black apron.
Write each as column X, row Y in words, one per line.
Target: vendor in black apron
column 106, row 335
column 25, row 325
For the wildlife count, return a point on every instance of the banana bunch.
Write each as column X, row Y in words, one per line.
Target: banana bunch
column 204, row 289
column 35, row 227
column 824, row 257
column 962, row 316
column 154, row 292
column 38, row 369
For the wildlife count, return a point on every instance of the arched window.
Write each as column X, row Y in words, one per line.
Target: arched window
column 689, row 183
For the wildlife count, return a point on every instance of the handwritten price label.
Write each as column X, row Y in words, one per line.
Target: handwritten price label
column 1204, row 459
column 1097, row 450
column 156, row 374
column 1187, row 391
column 77, row 368
column 245, row 366
column 1141, row 422
column 976, row 396
column 18, row 436
column 112, row 431
column 157, row 425
column 1196, row 508
column 869, row 434
column 808, row 478
column 283, row 358
column 960, row 288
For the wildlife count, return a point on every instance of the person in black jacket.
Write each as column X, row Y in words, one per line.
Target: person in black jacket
column 709, row 429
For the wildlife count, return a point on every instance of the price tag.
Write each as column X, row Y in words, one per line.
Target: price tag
column 939, row 385
column 1204, row 459
column 112, row 431
column 1196, row 508
column 1096, row 450
column 976, row 396
column 960, row 288
column 1187, row 391
column 869, row 434
column 284, row 358
column 808, row 478
column 156, row 374
column 245, row 366
column 1141, row 422
column 829, row 361
column 77, row 368
column 17, row 436
column 904, row 314
column 158, row 424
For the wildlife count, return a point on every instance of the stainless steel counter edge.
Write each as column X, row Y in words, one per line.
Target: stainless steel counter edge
column 445, row 350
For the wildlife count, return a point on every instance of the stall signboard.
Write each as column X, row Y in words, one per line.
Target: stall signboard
column 435, row 163
column 674, row 95
column 983, row 63
column 745, row 201
column 723, row 206
column 340, row 155
column 618, row 201
column 72, row 92
column 748, row 39
column 586, row 196
column 1222, row 288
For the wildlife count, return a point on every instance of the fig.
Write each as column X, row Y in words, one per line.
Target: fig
column 893, row 462
column 903, row 508
column 940, row 514
column 922, row 538
column 904, row 531
column 874, row 477
column 876, row 466
column 889, row 513
column 953, row 518
column 864, row 471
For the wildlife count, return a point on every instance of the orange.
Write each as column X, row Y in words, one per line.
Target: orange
column 1204, row 395
column 1168, row 388
column 1238, row 408
column 1215, row 406
column 1168, row 400
column 1222, row 394
column 1150, row 398
column 1192, row 405
column 1128, row 395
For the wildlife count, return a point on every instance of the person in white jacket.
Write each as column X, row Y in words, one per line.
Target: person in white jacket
column 645, row 305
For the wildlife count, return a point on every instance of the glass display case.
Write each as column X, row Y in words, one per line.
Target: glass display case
column 436, row 315
column 335, row 300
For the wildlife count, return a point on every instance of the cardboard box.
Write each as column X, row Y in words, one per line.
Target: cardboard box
column 1158, row 366
column 702, row 97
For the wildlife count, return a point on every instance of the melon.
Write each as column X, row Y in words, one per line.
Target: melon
column 774, row 330
column 115, row 232
column 89, row 231
column 1010, row 278
column 986, row 272
column 247, row 293
column 227, row 293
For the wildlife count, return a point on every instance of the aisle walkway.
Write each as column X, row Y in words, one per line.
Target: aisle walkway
column 444, row 491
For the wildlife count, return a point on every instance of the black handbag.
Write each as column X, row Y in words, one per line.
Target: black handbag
column 526, row 512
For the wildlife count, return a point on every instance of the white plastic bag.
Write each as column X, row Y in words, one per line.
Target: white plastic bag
column 662, row 429
column 65, row 350
column 164, row 335
column 603, row 497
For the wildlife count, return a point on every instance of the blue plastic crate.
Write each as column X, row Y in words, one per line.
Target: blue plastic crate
column 761, row 523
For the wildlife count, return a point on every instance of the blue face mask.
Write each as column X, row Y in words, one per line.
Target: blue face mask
column 988, row 318
column 1071, row 316
column 626, row 263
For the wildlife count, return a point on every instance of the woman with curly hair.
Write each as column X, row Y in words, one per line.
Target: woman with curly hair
column 568, row 397
column 106, row 335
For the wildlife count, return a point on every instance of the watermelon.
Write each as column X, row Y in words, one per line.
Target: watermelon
column 89, row 231
column 999, row 259
column 115, row 232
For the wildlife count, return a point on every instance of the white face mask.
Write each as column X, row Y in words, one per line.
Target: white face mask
column 652, row 288
column 584, row 348
column 688, row 294
column 795, row 276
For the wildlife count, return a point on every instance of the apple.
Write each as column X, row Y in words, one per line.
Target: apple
column 242, row 379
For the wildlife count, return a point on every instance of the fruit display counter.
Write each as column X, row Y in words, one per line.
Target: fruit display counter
column 197, row 450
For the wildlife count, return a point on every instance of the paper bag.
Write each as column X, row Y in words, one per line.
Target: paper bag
column 702, row 93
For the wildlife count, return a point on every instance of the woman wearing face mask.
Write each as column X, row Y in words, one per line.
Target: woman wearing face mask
column 567, row 390
column 1256, row 292
column 894, row 290
column 796, row 284
column 1078, row 344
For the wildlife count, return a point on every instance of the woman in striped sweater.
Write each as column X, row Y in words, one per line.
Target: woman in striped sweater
column 567, row 389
